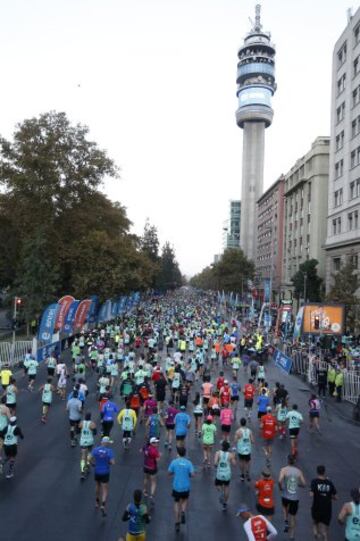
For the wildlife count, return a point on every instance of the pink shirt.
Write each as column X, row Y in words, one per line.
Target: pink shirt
column 226, row 416
column 207, row 388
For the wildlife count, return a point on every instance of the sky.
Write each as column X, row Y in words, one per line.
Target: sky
column 155, row 81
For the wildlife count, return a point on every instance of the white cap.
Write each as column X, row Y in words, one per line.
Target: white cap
column 154, row 440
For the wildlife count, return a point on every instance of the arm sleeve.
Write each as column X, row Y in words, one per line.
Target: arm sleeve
column 248, row 531
column 271, row 529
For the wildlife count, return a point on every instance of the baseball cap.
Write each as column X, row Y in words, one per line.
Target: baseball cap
column 106, row 439
column 12, row 419
column 154, row 440
column 226, row 381
column 209, row 418
column 268, row 408
column 182, row 407
column 242, row 509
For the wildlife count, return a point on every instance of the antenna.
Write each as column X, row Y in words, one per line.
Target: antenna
column 258, row 25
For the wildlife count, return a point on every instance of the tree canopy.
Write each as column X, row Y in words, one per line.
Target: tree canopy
column 345, row 286
column 58, row 232
column 307, row 276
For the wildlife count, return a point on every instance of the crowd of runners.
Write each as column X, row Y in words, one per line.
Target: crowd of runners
column 172, row 369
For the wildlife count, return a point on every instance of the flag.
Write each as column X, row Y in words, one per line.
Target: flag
column 64, row 305
column 47, row 324
column 70, row 316
column 81, row 314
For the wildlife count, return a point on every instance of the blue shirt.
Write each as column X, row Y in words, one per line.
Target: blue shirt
column 102, row 456
column 263, row 402
column 182, row 469
column 182, row 420
column 81, row 396
column 109, row 410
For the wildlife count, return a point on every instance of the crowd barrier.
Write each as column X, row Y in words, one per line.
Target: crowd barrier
column 7, row 356
column 304, row 365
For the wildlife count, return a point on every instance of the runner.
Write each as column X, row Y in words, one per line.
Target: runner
column 314, row 413
column 295, row 419
column 136, row 514
column 281, row 413
column 103, row 459
column 257, row 527
column 32, row 366
column 170, row 415
column 265, row 494
column 223, row 461
column 11, row 435
column 151, row 458
column 268, row 427
column 182, row 470
column 244, row 440
column 208, row 431
column 5, row 375
column 323, row 492
column 182, row 425
column 263, row 402
column 74, row 409
column 198, row 414
column 290, row 479
column 5, row 416
column 350, row 516
column 127, row 420
column 46, row 397
column 108, row 413
column 249, row 393
column 226, row 420
column 235, row 389
column 153, row 424
column 87, row 432
column 11, row 395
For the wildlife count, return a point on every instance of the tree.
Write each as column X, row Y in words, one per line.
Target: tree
column 344, row 291
column 150, row 242
column 229, row 274
column 307, row 276
column 169, row 275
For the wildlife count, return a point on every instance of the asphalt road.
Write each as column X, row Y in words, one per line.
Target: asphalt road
column 46, row 499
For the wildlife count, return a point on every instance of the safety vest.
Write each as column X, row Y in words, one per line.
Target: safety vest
column 331, row 375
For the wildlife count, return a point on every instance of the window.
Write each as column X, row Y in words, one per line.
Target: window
column 356, row 66
column 355, row 261
column 341, row 84
column 336, row 263
column 309, row 165
column 334, row 227
column 355, row 96
column 309, row 218
column 339, row 140
column 309, row 191
column 339, row 225
column 340, row 112
column 339, row 167
column 342, row 54
column 356, row 35
column 338, row 197
column 355, row 188
column 350, row 221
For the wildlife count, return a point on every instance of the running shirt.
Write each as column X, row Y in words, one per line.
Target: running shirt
column 127, row 419
column 182, row 420
column 314, row 405
column 207, row 388
column 182, row 469
column 352, row 525
column 268, row 423
column 249, row 391
column 137, row 518
column 265, row 488
column 151, row 455
column 32, row 366
column 258, row 528
column 86, row 435
column 103, row 457
column 154, row 425
column 291, row 483
column 171, row 413
column 46, row 396
column 226, row 416
column 263, row 402
column 208, row 433
column 234, row 389
column 243, row 445
column 281, row 413
column 10, row 395
column 295, row 419
column 109, row 410
column 223, row 470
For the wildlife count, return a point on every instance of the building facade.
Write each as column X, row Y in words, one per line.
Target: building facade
column 255, row 88
column 232, row 239
column 306, row 195
column 270, row 237
column 343, row 221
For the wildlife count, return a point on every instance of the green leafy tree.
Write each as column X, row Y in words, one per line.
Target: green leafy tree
column 169, row 275
column 345, row 288
column 307, row 276
column 150, row 242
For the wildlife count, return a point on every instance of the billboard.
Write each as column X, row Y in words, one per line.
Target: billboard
column 323, row 319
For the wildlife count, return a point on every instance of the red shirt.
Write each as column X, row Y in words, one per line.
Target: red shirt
column 268, row 425
column 258, row 528
column 249, row 391
column 265, row 489
column 220, row 383
column 225, row 395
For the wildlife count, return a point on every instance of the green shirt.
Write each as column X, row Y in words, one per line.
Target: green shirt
column 208, row 433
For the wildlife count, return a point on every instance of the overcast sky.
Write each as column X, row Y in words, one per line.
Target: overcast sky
column 158, row 91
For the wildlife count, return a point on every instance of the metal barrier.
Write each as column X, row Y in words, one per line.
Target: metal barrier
column 21, row 348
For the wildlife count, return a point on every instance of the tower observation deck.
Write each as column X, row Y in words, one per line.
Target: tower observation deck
column 255, row 87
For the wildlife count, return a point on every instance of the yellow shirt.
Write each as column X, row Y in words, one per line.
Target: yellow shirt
column 5, row 376
column 130, row 412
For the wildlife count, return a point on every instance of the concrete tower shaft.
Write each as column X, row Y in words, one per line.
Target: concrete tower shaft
column 255, row 87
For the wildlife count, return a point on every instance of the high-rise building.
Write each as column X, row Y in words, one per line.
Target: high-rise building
column 306, row 193
column 256, row 86
column 270, row 236
column 343, row 219
column 232, row 228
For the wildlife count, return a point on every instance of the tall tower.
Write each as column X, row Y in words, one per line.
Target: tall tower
column 256, row 86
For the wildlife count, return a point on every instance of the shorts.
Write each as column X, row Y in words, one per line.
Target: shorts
column 135, row 536
column 248, row 403
column 11, row 406
column 292, row 506
column 226, row 428
column 268, row 442
column 170, row 427
column 127, row 433
column 293, row 432
column 10, row 451
column 180, row 495
column 261, row 414
column 102, row 477
column 46, row 404
column 314, row 414
column 180, row 438
column 234, row 398
column 198, row 415
column 266, row 511
column 206, row 400
column 220, row 483
column 51, row 371
column 150, row 471
column 87, row 447
column 215, row 411
column 74, row 423
column 244, row 458
column 319, row 517
column 32, row 377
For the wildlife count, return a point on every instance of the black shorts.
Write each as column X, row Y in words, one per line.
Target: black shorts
column 245, row 458
column 234, row 398
column 46, row 404
column 266, row 511
column 198, row 415
column 220, row 483
column 314, row 414
column 206, row 399
column 150, row 471
column 74, row 423
column 102, row 477
column 51, row 371
column 127, row 433
column 180, row 438
column 170, row 427
column 261, row 414
column 32, row 377
column 248, row 403
column 293, row 432
column 225, row 428
column 10, row 451
column 215, row 411
column 292, row 506
column 180, row 495
column 320, row 517
column 11, row 406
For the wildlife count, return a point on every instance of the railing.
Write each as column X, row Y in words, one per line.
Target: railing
column 304, row 365
column 7, row 356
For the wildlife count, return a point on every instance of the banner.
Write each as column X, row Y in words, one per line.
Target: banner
column 81, row 314
column 298, row 323
column 93, row 309
column 70, row 316
column 64, row 303
column 323, row 319
column 282, row 361
column 114, row 309
column 47, row 324
column 101, row 313
column 267, row 292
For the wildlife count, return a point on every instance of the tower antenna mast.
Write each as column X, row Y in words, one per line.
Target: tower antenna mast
column 258, row 25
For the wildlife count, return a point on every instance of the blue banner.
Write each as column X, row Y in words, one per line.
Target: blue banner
column 91, row 318
column 70, row 317
column 267, row 292
column 44, row 352
column 114, row 309
column 282, row 361
column 47, row 324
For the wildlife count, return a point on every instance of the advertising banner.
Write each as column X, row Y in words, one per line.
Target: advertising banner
column 93, row 309
column 70, row 316
column 81, row 314
column 267, row 290
column 47, row 324
column 298, row 323
column 64, row 305
column 282, row 361
column 323, row 319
